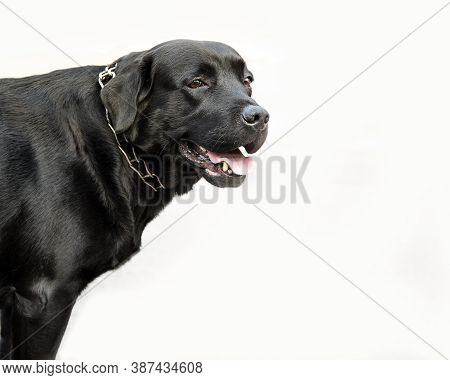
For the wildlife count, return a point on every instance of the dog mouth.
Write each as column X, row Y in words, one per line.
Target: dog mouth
column 223, row 169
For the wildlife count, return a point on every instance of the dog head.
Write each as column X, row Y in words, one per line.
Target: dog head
column 193, row 99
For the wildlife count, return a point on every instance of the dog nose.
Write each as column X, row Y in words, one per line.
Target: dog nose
column 255, row 116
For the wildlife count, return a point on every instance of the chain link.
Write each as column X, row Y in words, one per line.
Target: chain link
column 103, row 77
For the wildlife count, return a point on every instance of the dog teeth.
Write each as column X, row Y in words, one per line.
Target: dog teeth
column 226, row 168
column 244, row 152
column 203, row 150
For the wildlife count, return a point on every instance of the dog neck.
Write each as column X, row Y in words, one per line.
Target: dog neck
column 123, row 195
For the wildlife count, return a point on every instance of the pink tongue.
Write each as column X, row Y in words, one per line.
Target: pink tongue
column 236, row 161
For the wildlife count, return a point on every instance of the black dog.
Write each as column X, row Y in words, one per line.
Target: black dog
column 78, row 185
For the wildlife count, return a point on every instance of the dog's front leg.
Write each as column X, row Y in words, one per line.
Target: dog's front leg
column 6, row 309
column 5, row 332
column 38, row 325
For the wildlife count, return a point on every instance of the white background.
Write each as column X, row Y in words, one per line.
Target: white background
column 225, row 282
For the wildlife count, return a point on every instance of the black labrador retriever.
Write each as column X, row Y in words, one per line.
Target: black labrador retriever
column 90, row 155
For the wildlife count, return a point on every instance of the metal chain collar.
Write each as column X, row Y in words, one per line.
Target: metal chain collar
column 107, row 75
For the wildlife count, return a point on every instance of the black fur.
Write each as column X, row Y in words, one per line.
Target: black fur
column 70, row 207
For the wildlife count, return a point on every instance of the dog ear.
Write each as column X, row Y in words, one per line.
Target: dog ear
column 122, row 94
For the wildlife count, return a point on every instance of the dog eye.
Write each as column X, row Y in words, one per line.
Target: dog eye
column 196, row 83
column 248, row 81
